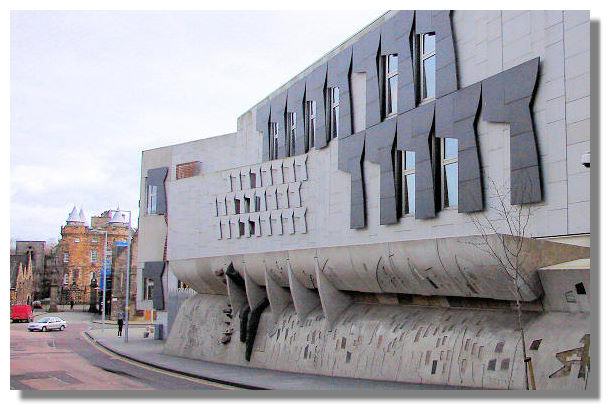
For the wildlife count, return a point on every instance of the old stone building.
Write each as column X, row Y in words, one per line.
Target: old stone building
column 81, row 251
column 22, row 280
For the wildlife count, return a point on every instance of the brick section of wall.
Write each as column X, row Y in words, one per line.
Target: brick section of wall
column 185, row 170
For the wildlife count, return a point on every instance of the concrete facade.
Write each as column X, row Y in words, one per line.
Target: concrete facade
column 320, row 237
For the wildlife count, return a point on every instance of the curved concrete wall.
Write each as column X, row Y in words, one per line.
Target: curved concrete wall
column 473, row 348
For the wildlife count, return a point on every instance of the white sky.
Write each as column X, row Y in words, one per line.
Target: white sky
column 91, row 90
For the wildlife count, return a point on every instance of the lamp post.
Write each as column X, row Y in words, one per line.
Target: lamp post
column 103, row 279
column 126, row 316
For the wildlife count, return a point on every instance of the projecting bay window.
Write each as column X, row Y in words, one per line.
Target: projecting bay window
column 152, row 196
column 408, row 182
column 273, row 140
column 310, row 122
column 334, row 111
column 291, row 127
column 449, row 173
column 391, row 71
column 427, row 66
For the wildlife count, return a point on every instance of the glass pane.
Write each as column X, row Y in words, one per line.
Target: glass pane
column 392, row 63
column 334, row 121
column 450, row 171
column 336, row 95
column 429, row 43
column 450, row 148
column 429, row 77
column 409, row 162
column 392, row 104
column 410, row 192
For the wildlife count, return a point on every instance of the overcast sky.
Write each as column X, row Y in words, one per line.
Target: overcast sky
column 91, row 90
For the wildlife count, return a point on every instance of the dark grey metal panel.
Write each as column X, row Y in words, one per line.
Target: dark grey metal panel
column 380, row 149
column 338, row 72
column 350, row 160
column 153, row 270
column 315, row 91
column 278, row 115
column 413, row 131
column 456, row 115
column 365, row 59
column 295, row 103
column 439, row 21
column 156, row 177
column 263, row 111
column 507, row 97
column 396, row 39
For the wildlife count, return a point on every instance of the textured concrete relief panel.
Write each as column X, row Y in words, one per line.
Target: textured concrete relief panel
column 507, row 98
column 426, row 345
column 396, row 35
column 456, row 115
column 301, row 168
column 266, row 179
column 439, row 21
column 263, row 112
column 380, row 149
column 153, row 270
column 365, row 59
column 350, row 160
column 414, row 132
column 338, row 72
column 157, row 177
column 295, row 103
column 288, row 170
column 315, row 91
column 278, row 115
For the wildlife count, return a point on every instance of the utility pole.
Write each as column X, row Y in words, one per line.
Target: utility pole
column 104, row 285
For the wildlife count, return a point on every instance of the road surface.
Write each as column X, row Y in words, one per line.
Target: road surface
column 68, row 360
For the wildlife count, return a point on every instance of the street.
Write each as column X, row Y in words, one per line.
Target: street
column 68, row 360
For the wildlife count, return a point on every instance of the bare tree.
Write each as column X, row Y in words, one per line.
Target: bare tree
column 503, row 232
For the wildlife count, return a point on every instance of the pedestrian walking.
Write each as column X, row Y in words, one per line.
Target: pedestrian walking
column 120, row 323
column 72, row 304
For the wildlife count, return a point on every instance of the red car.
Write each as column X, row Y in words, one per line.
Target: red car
column 21, row 312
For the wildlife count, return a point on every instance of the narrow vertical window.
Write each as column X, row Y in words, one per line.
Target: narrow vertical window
column 334, row 112
column 273, row 143
column 427, row 66
column 310, row 121
column 65, row 258
column 291, row 128
column 449, row 174
column 152, row 196
column 409, row 181
column 390, row 82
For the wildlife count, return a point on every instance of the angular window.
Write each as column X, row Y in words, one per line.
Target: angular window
column 291, row 128
column 427, row 66
column 390, row 84
column 408, row 181
column 450, row 185
column 310, row 122
column 148, row 289
column 273, row 143
column 334, row 112
column 152, row 196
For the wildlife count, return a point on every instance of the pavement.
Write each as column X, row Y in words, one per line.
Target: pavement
column 150, row 352
column 68, row 361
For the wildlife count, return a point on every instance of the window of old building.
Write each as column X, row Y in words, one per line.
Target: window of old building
column 449, row 172
column 185, row 170
column 390, row 66
column 427, row 66
column 77, row 240
column 408, row 182
column 152, row 196
column 274, row 138
column 291, row 128
column 334, row 111
column 310, row 122
column 65, row 258
column 94, row 255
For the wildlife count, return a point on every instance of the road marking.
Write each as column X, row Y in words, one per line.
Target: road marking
column 155, row 369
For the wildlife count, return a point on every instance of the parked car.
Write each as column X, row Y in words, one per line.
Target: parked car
column 36, row 304
column 21, row 312
column 47, row 324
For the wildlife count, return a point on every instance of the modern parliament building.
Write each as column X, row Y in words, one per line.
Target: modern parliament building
column 413, row 207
